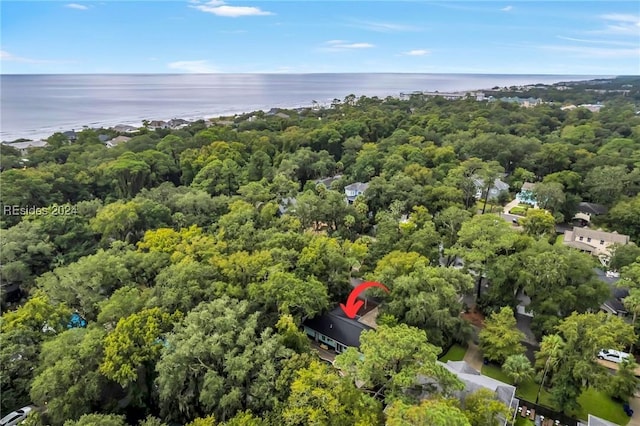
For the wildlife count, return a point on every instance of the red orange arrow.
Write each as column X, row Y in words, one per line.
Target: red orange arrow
column 353, row 304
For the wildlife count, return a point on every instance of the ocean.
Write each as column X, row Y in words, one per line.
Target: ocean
column 36, row 106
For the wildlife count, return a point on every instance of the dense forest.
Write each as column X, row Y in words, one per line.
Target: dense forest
column 194, row 256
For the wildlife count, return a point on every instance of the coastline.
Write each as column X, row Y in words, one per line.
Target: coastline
column 105, row 104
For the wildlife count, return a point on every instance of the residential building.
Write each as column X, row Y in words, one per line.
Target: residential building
column 123, row 128
column 597, row 421
column 526, row 194
column 615, row 304
column 355, row 189
column 586, row 211
column 71, row 135
column 117, row 140
column 595, row 242
column 177, row 123
column 286, row 204
column 335, row 330
column 495, row 190
column 473, row 380
column 23, row 147
column 104, row 138
column 327, row 181
column 157, row 124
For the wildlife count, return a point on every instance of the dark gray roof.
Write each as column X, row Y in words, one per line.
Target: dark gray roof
column 327, row 181
column 337, row 326
column 104, row 138
column 358, row 186
column 592, row 208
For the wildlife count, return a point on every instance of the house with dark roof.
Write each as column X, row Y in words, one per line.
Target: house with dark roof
column 615, row 304
column 327, row 181
column 355, row 189
column 586, row 211
column 71, row 135
column 335, row 330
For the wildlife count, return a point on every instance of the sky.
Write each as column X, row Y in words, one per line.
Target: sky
column 248, row 36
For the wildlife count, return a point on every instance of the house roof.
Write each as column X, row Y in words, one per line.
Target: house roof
column 338, row 327
column 597, row 421
column 498, row 184
column 357, row 186
column 592, row 208
column 327, row 181
column 609, row 237
column 474, row 380
column 27, row 144
column 528, row 186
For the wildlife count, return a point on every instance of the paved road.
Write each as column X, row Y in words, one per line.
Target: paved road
column 615, row 366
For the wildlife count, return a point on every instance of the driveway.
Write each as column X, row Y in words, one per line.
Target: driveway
column 509, row 206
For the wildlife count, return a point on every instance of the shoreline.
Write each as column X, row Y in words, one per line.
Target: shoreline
column 38, row 134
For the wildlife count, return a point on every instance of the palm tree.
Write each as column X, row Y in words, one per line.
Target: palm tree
column 551, row 350
column 632, row 304
column 518, row 368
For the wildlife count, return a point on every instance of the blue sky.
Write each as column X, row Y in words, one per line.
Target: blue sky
column 504, row 37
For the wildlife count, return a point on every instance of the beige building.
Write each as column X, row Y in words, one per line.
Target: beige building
column 594, row 242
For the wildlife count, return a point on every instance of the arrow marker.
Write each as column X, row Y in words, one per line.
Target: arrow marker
column 353, row 304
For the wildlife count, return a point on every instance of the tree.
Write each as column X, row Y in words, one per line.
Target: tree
column 68, row 382
column 98, row 420
column 480, row 240
column 518, row 368
column 220, row 349
column 539, row 223
column 500, row 337
column 624, row 217
column 283, row 292
column 584, row 335
column 392, row 360
column 549, row 195
column 624, row 383
column 623, row 255
column 430, row 412
column 127, row 175
column 320, row 396
column 428, row 298
column 606, row 184
column 134, row 344
column 483, row 409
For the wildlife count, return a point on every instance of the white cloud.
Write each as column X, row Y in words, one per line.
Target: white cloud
column 609, row 42
column 417, row 52
column 194, row 67
column 76, row 6
column 384, row 27
column 621, row 24
column 595, row 52
column 220, row 8
column 621, row 17
column 342, row 45
column 8, row 57
column 507, row 8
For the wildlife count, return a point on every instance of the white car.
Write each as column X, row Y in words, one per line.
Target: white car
column 613, row 356
column 16, row 417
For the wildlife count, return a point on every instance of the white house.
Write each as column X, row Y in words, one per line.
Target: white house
column 355, row 189
column 495, row 190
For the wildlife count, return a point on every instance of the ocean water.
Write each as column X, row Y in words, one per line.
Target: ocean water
column 36, row 106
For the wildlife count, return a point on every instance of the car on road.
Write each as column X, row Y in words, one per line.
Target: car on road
column 612, row 355
column 13, row 419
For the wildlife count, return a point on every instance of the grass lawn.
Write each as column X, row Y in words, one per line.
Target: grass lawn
column 521, row 421
column 601, row 405
column 456, row 353
column 591, row 401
